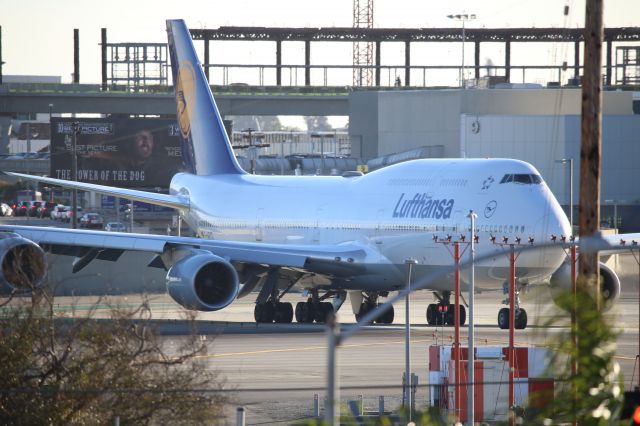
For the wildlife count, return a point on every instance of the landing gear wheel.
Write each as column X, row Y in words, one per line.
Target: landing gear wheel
column 463, row 315
column 521, row 319
column 299, row 311
column 449, row 316
column 283, row 313
column 308, row 312
column 257, row 312
column 364, row 310
column 387, row 317
column 321, row 311
column 264, row 312
column 431, row 314
column 503, row 318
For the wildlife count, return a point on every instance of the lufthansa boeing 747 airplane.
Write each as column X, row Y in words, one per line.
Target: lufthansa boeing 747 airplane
column 330, row 235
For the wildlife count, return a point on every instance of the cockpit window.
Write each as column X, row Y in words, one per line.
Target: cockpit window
column 521, row 178
column 526, row 179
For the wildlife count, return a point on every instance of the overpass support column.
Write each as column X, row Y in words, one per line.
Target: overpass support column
column 507, row 61
column 76, row 55
column 307, row 63
column 407, row 63
column 103, row 50
column 206, row 59
column 608, row 76
column 476, row 46
column 378, row 43
column 278, row 62
column 576, row 59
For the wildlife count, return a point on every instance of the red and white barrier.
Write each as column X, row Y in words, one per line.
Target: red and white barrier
column 491, row 391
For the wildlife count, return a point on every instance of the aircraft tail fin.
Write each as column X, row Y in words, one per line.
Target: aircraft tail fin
column 206, row 149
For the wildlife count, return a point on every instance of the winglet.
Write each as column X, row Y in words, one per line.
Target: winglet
column 205, row 146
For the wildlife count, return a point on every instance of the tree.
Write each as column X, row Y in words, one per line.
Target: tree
column 317, row 123
column 87, row 371
column 260, row 123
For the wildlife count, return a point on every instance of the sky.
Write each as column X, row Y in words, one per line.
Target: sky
column 37, row 35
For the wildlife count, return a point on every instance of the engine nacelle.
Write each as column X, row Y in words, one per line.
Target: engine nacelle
column 203, row 281
column 23, row 264
column 609, row 281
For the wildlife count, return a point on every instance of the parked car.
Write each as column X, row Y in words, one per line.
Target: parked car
column 115, row 227
column 45, row 209
column 59, row 212
column 91, row 220
column 33, row 208
column 5, row 210
column 69, row 214
column 22, row 208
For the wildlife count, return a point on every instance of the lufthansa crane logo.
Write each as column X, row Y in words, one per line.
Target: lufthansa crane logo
column 490, row 209
column 185, row 96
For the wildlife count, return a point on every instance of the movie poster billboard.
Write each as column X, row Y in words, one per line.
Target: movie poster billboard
column 124, row 152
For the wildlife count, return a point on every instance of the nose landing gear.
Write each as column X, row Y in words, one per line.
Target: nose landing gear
column 520, row 322
column 443, row 312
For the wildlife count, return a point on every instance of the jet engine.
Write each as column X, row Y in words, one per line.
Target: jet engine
column 23, row 264
column 609, row 281
column 203, row 281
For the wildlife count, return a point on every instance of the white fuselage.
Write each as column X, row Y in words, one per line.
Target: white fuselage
column 395, row 211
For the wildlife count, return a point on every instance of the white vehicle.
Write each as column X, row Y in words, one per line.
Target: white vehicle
column 331, row 235
column 115, row 227
column 59, row 212
column 67, row 216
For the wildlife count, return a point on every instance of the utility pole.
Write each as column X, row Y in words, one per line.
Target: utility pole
column 590, row 148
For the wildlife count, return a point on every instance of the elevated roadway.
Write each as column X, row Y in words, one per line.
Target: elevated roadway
column 18, row 98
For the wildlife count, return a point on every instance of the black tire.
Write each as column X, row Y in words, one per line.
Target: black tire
column 364, row 310
column 441, row 316
column 463, row 315
column 299, row 307
column 387, row 317
column 503, row 318
column 322, row 311
column 308, row 313
column 521, row 319
column 450, row 315
column 283, row 313
column 268, row 312
column 257, row 312
column 431, row 314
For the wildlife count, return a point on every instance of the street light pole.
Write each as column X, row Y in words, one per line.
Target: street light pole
column 407, row 344
column 471, row 350
column 569, row 161
column 462, row 17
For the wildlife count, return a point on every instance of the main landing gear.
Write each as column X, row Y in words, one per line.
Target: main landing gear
column 443, row 312
column 315, row 309
column 520, row 322
column 364, row 302
column 268, row 307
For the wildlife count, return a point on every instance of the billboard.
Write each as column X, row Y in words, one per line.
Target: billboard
column 125, row 152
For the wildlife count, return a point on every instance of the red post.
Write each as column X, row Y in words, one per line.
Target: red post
column 574, row 336
column 512, row 325
column 456, row 322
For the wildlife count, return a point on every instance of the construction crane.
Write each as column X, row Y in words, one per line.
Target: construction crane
column 362, row 50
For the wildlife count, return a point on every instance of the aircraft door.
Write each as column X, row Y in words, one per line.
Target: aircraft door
column 318, row 224
column 259, row 225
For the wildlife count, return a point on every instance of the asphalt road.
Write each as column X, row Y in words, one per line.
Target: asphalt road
column 275, row 371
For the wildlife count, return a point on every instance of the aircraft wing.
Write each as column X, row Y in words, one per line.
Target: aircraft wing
column 338, row 260
column 173, row 201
